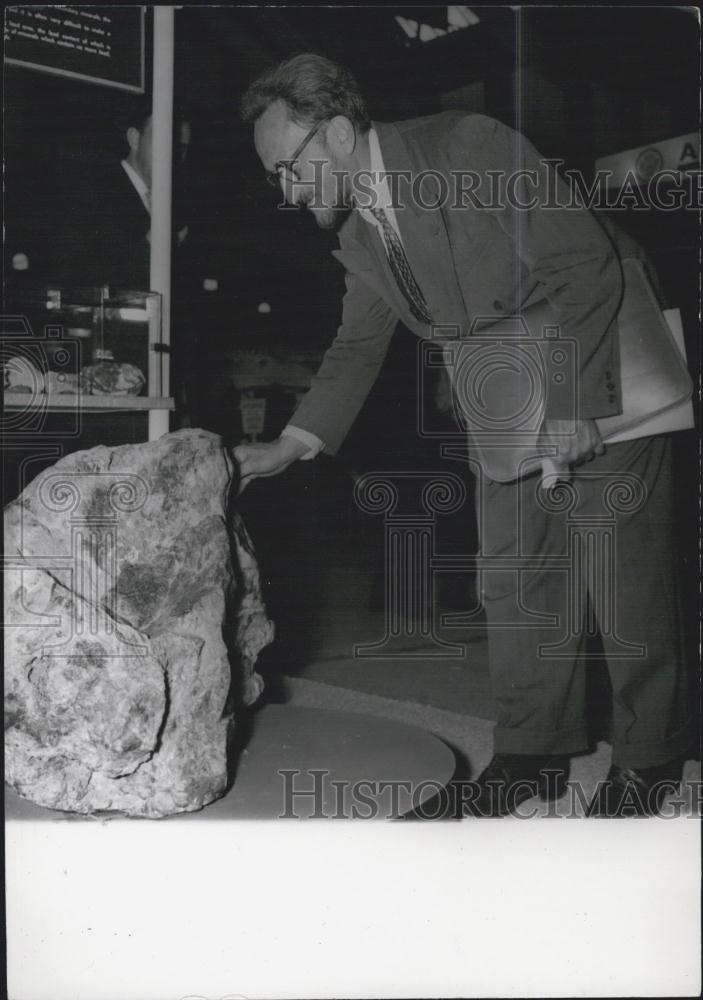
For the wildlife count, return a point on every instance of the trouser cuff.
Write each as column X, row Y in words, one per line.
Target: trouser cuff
column 638, row 755
column 537, row 741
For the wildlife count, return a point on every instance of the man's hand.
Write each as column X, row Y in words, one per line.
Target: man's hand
column 564, row 449
column 266, row 459
column 570, row 448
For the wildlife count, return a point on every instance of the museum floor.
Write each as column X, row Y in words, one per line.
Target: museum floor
column 333, row 602
column 322, row 574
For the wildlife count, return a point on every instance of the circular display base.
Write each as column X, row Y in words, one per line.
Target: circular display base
column 324, row 763
column 307, row 763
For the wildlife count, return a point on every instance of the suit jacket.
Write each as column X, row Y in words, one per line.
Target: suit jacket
column 103, row 239
column 472, row 261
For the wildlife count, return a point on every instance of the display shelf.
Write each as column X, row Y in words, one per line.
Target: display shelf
column 86, row 404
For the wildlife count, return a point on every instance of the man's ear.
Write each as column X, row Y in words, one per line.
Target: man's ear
column 133, row 138
column 341, row 134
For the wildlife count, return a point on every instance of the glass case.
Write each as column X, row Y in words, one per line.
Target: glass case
column 99, row 345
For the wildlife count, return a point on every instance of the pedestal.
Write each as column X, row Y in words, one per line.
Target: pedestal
column 301, row 763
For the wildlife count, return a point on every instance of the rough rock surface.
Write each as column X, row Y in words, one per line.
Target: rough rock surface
column 109, row 378
column 134, row 620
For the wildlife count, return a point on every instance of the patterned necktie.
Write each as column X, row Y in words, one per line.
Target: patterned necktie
column 400, row 267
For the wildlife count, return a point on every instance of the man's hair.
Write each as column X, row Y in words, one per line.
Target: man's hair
column 134, row 113
column 312, row 88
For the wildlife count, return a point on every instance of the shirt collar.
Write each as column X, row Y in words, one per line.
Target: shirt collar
column 375, row 157
column 376, row 181
column 138, row 182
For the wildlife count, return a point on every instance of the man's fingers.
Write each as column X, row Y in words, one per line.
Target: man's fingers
column 552, row 471
column 246, row 458
column 243, row 483
column 572, row 446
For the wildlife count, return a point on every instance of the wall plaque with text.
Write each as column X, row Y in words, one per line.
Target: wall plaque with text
column 103, row 45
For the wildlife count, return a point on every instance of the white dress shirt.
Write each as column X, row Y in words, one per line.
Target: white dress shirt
column 377, row 183
column 139, row 185
column 145, row 195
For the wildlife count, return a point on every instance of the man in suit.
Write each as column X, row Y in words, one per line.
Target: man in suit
column 106, row 234
column 412, row 254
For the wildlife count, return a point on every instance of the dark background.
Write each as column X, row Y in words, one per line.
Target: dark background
column 580, row 82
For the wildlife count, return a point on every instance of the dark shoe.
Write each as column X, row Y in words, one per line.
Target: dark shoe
column 511, row 779
column 635, row 793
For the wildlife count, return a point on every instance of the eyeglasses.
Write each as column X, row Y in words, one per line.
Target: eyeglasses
column 274, row 176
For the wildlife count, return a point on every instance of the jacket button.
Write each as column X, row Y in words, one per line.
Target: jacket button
column 610, row 385
column 497, row 304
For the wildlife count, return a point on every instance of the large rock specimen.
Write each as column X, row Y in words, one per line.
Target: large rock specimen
column 133, row 622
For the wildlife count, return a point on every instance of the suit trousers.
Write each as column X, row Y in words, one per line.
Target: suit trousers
column 594, row 555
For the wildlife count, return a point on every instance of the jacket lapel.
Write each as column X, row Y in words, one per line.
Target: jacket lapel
column 423, row 232
column 362, row 253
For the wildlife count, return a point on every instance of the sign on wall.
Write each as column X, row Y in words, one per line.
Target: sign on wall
column 103, row 45
column 642, row 164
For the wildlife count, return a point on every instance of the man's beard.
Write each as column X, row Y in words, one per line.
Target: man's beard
column 331, row 216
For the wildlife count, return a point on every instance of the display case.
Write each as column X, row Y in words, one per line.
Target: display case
column 86, row 348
